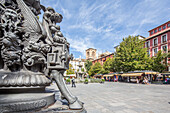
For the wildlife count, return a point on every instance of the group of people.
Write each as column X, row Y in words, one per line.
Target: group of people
column 146, row 81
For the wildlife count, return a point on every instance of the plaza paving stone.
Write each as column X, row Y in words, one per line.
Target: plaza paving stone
column 113, row 97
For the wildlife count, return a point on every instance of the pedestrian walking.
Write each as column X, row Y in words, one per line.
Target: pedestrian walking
column 73, row 82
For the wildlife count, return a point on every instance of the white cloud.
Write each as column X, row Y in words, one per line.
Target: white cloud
column 66, row 13
column 80, row 44
column 102, row 24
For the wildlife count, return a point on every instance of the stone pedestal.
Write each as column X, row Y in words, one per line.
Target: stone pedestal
column 24, row 91
column 25, row 102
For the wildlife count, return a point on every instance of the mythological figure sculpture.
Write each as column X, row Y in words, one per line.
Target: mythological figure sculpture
column 32, row 52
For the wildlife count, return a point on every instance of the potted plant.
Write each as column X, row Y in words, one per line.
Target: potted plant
column 86, row 81
column 102, row 80
column 68, row 81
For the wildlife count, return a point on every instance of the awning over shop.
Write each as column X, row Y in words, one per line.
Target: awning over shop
column 152, row 73
column 108, row 75
column 111, row 74
column 131, row 74
column 71, row 75
column 98, row 75
column 118, row 74
column 167, row 74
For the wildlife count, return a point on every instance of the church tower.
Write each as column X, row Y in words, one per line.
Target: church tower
column 91, row 54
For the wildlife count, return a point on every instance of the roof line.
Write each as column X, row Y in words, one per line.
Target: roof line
column 157, row 33
column 159, row 26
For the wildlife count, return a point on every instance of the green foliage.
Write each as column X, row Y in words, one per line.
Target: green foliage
column 103, row 71
column 68, row 80
column 158, row 64
column 103, row 80
column 70, row 70
column 82, row 69
column 131, row 55
column 88, row 65
column 86, row 80
column 108, row 66
column 95, row 80
column 81, row 81
column 95, row 69
column 113, row 65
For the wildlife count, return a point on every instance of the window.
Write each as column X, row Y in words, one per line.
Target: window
column 147, row 44
column 155, row 31
column 155, row 42
column 164, row 27
column 151, row 32
column 169, row 25
column 164, row 38
column 93, row 54
column 159, row 29
column 164, row 48
column 155, row 51
column 148, row 51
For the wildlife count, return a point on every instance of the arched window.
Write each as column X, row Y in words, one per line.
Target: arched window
column 88, row 54
column 93, row 54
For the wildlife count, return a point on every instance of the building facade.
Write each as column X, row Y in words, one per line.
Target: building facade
column 91, row 54
column 76, row 62
column 159, row 39
column 102, row 59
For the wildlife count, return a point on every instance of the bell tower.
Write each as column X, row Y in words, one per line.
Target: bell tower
column 91, row 54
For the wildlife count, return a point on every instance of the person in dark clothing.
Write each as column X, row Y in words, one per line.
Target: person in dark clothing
column 73, row 82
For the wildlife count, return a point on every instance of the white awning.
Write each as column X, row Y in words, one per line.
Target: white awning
column 131, row 74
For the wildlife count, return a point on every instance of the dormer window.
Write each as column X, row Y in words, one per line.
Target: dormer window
column 164, row 27
column 159, row 29
column 169, row 25
column 151, row 32
column 155, row 31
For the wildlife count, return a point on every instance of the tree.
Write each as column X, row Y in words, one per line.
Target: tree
column 82, row 69
column 107, row 66
column 103, row 71
column 88, row 65
column 95, row 69
column 158, row 62
column 131, row 55
column 113, row 65
column 70, row 70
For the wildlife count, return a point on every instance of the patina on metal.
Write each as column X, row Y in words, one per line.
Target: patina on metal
column 32, row 54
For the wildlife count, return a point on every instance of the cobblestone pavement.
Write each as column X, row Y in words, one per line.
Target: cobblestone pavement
column 123, row 97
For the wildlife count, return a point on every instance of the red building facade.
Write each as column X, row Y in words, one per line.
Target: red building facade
column 103, row 59
column 159, row 39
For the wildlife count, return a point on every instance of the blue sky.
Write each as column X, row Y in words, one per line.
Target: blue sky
column 102, row 24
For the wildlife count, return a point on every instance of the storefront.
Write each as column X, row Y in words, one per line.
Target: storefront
column 140, row 76
column 99, row 76
column 165, row 78
column 111, row 77
column 132, row 77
